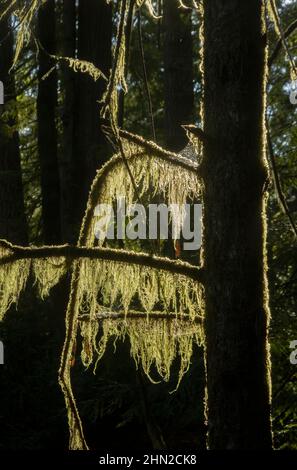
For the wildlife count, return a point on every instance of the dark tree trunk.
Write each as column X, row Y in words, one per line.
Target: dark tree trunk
column 178, row 69
column 68, row 49
column 128, row 33
column 94, row 45
column 47, row 133
column 235, row 171
column 12, row 212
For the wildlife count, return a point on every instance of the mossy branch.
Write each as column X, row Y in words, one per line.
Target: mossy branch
column 152, row 147
column 196, row 131
column 140, row 315
column 121, row 256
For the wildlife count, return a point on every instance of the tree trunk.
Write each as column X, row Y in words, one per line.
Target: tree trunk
column 128, row 33
column 235, row 173
column 178, row 70
column 12, row 211
column 94, row 45
column 68, row 46
column 47, row 133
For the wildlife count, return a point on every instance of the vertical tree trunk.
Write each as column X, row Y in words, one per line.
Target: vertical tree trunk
column 94, row 45
column 12, row 212
column 128, row 33
column 235, row 172
column 68, row 49
column 178, row 69
column 47, row 133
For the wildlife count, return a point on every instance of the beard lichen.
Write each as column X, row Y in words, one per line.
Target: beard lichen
column 114, row 286
column 13, row 279
column 156, row 172
column 153, row 341
column 47, row 274
column 14, row 275
column 118, row 287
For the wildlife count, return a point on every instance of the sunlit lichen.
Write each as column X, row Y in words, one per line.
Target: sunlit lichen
column 175, row 183
column 13, row 279
column 154, row 343
column 47, row 273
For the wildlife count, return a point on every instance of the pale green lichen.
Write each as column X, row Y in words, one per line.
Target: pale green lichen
column 14, row 276
column 111, row 286
column 154, row 343
column 13, row 280
column 47, row 273
column 152, row 175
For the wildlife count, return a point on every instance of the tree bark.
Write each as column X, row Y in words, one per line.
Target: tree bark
column 47, row 133
column 235, row 172
column 13, row 225
column 94, row 45
column 68, row 49
column 178, row 74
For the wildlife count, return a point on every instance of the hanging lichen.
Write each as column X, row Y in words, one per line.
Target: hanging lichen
column 47, row 273
column 155, row 342
column 14, row 275
column 13, row 279
column 111, row 299
column 120, row 286
column 117, row 78
column 113, row 286
column 24, row 17
column 155, row 171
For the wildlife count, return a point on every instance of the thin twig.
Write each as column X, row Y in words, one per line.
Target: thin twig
column 291, row 28
column 277, row 183
column 282, row 35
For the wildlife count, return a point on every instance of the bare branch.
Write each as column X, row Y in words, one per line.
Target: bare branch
column 277, row 183
column 291, row 28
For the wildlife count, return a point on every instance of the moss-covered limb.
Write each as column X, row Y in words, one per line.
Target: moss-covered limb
column 139, row 153
column 151, row 147
column 4, row 244
column 7, row 9
column 140, row 157
column 121, row 256
column 117, row 74
column 196, row 131
column 290, row 30
column 150, row 7
column 107, row 315
column 25, row 17
column 76, row 439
